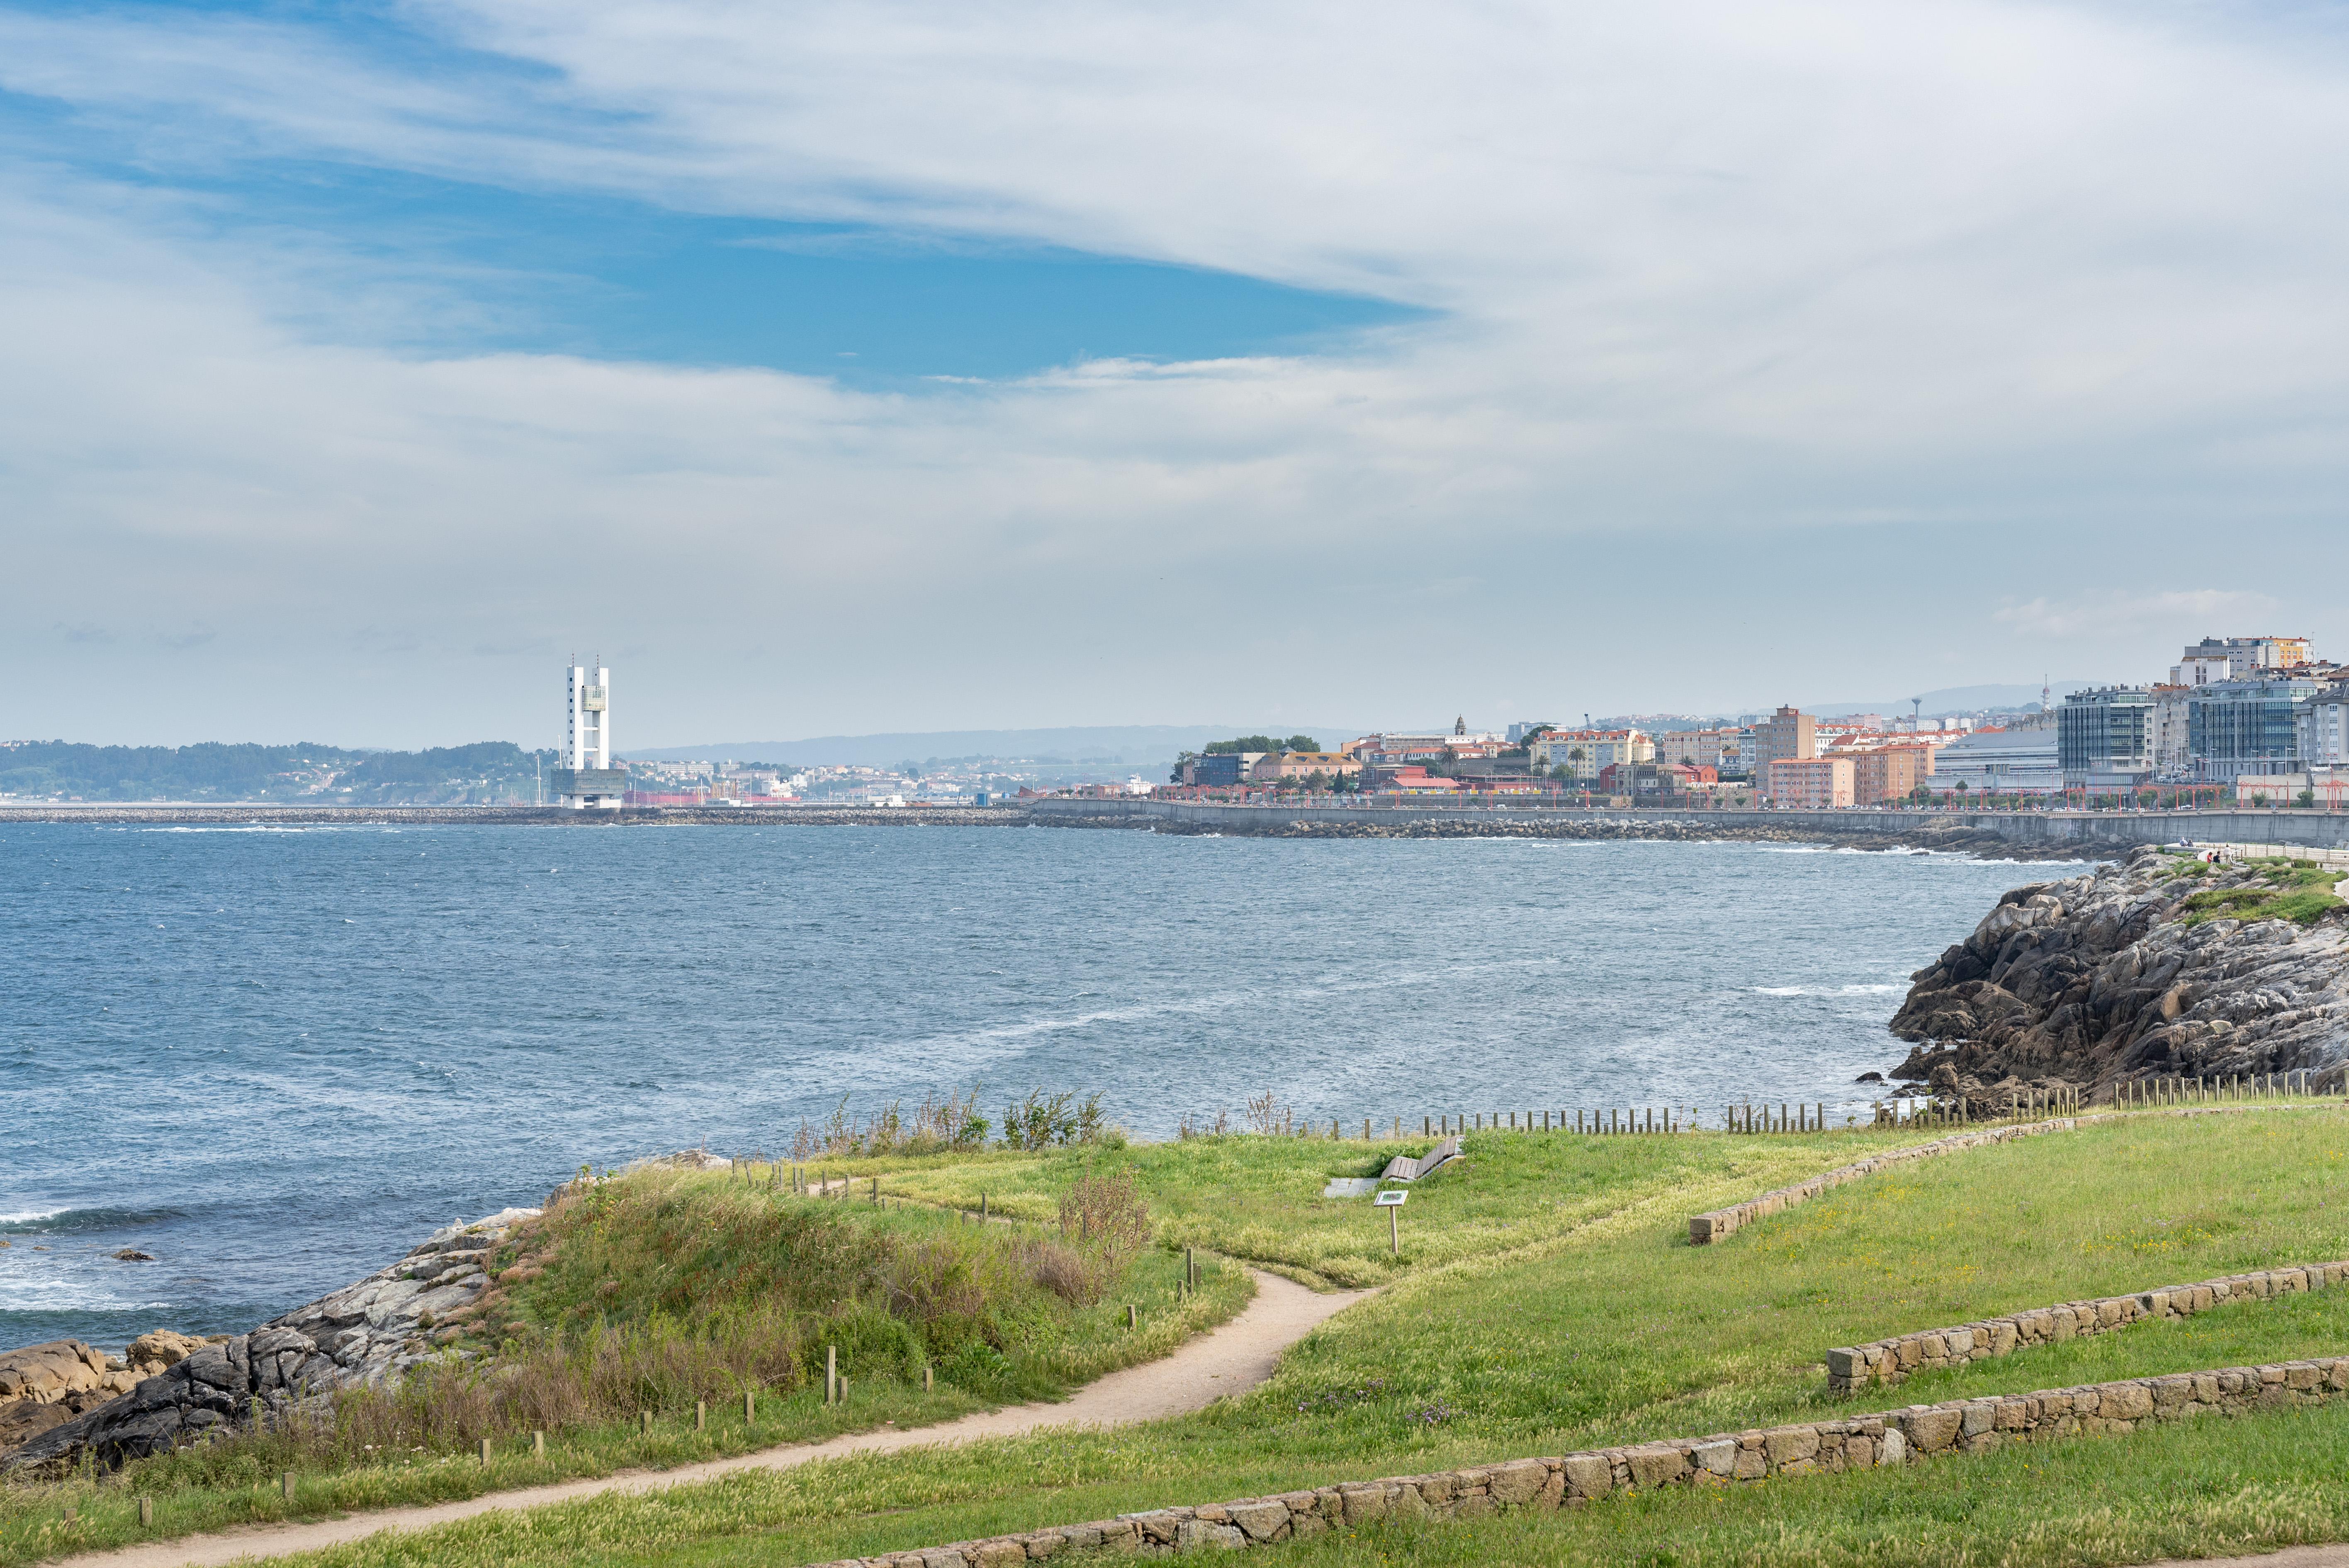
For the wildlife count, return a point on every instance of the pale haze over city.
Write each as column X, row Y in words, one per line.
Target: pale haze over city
column 842, row 369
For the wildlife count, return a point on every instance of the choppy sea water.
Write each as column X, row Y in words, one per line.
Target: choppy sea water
column 275, row 1058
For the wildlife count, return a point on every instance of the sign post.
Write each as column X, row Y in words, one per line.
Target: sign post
column 1393, row 1203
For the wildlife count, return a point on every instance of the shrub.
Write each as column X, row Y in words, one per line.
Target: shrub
column 1043, row 1121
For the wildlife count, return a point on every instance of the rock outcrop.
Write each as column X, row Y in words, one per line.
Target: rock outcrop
column 2114, row 975
column 43, row 1387
column 368, row 1333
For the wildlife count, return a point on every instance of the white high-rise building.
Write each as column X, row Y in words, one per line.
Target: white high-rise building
column 587, row 778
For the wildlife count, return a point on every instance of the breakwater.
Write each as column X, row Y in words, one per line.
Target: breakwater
column 293, row 816
column 2025, row 834
column 2046, row 835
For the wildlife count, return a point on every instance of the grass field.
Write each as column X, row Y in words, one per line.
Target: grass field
column 1547, row 1300
column 683, row 1269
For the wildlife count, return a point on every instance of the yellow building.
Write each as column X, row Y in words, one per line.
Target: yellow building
column 1304, row 764
column 1587, row 753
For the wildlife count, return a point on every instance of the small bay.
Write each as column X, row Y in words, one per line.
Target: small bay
column 274, row 1057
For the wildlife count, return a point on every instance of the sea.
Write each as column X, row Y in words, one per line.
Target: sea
column 274, row 1058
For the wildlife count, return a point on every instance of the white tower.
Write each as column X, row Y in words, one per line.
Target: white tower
column 588, row 779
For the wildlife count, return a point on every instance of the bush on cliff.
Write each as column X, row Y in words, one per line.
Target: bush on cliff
column 652, row 1291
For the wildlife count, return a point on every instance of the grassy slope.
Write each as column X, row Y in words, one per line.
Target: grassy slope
column 1618, row 1330
column 1260, row 1198
column 209, row 1490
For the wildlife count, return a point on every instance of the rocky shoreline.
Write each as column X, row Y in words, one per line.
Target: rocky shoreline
column 1940, row 837
column 523, row 816
column 79, row 1404
column 2161, row 965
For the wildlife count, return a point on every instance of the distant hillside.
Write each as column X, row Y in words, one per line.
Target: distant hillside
column 1127, row 746
column 1959, row 699
column 491, row 772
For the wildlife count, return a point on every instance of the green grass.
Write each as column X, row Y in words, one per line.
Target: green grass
column 1259, row 1199
column 2298, row 890
column 1619, row 1331
column 1575, row 1314
column 2211, row 1487
column 661, row 1248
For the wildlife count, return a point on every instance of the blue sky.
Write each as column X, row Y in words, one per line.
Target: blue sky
column 906, row 365
column 535, row 267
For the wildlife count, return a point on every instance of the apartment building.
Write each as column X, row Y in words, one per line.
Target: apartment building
column 1698, row 748
column 2236, row 728
column 1585, row 753
column 1881, row 774
column 2215, row 659
column 1789, row 734
column 2321, row 726
column 1812, row 783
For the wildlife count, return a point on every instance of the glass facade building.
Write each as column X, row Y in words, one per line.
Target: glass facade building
column 2246, row 727
column 2104, row 737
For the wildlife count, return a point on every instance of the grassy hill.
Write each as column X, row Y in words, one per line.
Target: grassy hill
column 1546, row 1300
column 491, row 772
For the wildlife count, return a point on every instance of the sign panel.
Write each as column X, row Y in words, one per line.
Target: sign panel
column 591, row 699
column 1391, row 1201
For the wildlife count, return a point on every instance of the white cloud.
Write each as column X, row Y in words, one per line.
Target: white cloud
column 1986, row 291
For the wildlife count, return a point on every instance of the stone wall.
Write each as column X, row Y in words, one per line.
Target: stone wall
column 1713, row 1226
column 1891, row 1361
column 1912, row 1435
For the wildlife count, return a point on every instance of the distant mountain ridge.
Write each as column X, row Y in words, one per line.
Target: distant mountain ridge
column 1959, row 699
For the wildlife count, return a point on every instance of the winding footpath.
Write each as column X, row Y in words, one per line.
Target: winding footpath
column 1229, row 1360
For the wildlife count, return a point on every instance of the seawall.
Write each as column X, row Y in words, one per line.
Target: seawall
column 2089, row 833
column 192, row 814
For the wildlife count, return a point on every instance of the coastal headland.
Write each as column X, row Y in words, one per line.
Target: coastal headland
column 1512, row 1310
column 2164, row 967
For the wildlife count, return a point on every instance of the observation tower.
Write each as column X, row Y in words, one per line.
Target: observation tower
column 587, row 780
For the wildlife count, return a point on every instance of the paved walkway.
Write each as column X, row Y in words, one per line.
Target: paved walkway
column 1235, row 1357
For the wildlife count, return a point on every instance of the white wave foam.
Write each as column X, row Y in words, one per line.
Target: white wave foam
column 1827, row 990
column 29, row 1216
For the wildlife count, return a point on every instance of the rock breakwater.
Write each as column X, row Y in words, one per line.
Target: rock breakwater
column 367, row 1333
column 2159, row 965
column 1946, row 838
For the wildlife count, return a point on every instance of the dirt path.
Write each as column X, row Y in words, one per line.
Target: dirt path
column 1235, row 1357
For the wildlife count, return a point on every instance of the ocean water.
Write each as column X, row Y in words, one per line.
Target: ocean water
column 274, row 1058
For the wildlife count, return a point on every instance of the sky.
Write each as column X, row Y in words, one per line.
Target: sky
column 834, row 368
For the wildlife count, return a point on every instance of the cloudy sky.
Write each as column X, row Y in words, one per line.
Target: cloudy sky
column 845, row 368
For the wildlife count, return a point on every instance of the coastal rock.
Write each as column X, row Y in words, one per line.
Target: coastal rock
column 365, row 1334
column 43, row 1387
column 45, row 1374
column 2097, row 979
column 152, row 1353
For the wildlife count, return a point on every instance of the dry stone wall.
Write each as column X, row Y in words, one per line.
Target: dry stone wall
column 1891, row 1361
column 1720, row 1223
column 1912, row 1435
